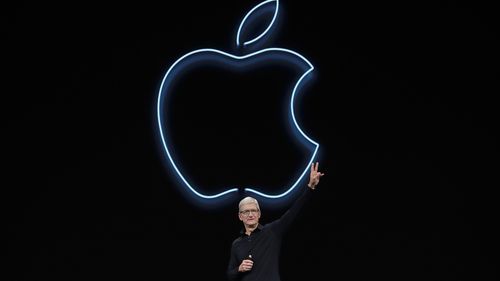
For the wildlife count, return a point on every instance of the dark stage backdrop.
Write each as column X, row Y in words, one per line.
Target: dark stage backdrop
column 402, row 104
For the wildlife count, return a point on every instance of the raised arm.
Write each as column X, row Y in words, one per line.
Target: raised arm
column 288, row 217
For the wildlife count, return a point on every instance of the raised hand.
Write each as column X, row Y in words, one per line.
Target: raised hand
column 314, row 176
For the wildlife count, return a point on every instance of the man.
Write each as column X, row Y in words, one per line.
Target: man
column 255, row 253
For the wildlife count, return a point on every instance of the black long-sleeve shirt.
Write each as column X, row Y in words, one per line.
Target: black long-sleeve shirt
column 264, row 244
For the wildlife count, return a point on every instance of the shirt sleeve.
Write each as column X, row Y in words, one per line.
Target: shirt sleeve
column 280, row 225
column 232, row 269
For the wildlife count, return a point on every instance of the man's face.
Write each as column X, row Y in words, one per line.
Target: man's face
column 249, row 214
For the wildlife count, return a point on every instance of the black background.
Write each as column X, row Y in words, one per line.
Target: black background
column 403, row 105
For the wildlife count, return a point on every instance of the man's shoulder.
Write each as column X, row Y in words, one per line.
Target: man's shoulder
column 237, row 240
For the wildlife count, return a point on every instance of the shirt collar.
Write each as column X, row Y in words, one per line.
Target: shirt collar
column 259, row 228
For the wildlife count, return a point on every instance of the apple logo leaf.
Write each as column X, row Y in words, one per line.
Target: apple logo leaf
column 249, row 21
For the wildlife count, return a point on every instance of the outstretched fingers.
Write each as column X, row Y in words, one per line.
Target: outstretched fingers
column 314, row 168
column 315, row 175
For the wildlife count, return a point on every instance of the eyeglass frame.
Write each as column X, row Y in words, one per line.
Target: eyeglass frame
column 246, row 213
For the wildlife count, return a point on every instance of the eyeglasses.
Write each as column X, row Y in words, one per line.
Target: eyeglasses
column 246, row 213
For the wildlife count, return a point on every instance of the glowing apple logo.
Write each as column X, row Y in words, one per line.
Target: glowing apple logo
column 214, row 56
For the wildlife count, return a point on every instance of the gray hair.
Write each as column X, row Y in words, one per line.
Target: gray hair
column 248, row 200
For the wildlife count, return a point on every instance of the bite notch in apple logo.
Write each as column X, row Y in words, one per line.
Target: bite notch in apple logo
column 237, row 61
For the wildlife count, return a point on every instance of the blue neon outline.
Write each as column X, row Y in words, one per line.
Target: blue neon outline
column 292, row 99
column 265, row 31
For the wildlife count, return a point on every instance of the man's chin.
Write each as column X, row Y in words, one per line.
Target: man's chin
column 252, row 223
